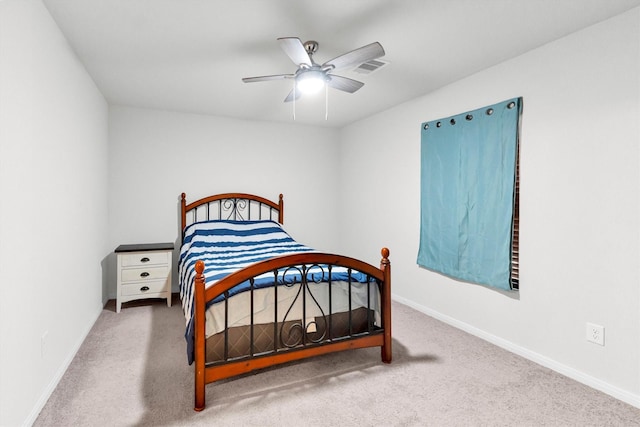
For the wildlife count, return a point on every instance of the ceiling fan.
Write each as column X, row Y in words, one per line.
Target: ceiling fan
column 310, row 76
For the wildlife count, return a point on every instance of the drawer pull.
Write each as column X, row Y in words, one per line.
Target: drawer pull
column 144, row 274
column 145, row 259
column 144, row 288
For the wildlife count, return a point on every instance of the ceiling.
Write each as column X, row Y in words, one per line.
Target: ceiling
column 190, row 55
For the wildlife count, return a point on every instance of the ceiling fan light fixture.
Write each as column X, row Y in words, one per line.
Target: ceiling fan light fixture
column 310, row 82
column 311, row 77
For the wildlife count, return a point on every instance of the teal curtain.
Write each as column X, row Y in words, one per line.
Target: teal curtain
column 467, row 183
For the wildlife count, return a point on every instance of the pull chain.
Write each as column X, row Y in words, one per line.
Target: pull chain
column 326, row 102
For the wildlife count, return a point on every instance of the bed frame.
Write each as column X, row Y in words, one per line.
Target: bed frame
column 241, row 206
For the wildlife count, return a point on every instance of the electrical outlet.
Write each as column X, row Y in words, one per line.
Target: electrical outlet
column 595, row 333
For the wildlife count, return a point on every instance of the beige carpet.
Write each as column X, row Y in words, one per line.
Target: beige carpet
column 132, row 371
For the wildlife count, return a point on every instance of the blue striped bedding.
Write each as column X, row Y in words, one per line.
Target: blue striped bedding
column 226, row 246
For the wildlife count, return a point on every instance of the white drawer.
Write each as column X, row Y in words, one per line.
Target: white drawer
column 145, row 258
column 144, row 274
column 142, row 288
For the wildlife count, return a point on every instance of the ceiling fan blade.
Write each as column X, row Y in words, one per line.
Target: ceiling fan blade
column 295, row 50
column 356, row 57
column 343, row 83
column 291, row 97
column 268, row 78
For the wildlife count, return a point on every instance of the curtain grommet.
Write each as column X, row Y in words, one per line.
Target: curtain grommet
column 511, row 105
column 452, row 121
column 469, row 117
column 426, row 126
column 489, row 111
column 439, row 124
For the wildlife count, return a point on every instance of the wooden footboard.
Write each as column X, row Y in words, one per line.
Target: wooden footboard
column 372, row 336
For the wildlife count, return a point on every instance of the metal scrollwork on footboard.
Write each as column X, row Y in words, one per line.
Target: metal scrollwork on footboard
column 313, row 304
column 288, row 336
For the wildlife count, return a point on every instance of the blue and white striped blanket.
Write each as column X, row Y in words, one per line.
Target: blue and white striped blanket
column 228, row 246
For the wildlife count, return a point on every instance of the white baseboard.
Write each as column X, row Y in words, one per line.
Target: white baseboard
column 48, row 390
column 618, row 393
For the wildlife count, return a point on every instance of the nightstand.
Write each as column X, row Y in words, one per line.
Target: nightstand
column 144, row 271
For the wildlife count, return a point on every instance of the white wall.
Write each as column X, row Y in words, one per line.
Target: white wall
column 53, row 209
column 156, row 155
column 579, row 201
column 579, row 221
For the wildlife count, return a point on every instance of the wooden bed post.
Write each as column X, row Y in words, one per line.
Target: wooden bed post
column 183, row 208
column 199, row 337
column 385, row 266
column 280, row 210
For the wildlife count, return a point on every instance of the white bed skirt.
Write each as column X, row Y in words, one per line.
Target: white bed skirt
column 316, row 306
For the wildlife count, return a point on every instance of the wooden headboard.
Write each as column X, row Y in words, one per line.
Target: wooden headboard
column 231, row 206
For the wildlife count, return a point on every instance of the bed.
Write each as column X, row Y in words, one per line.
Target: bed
column 253, row 297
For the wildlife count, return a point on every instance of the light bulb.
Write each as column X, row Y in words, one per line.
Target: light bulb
column 310, row 82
